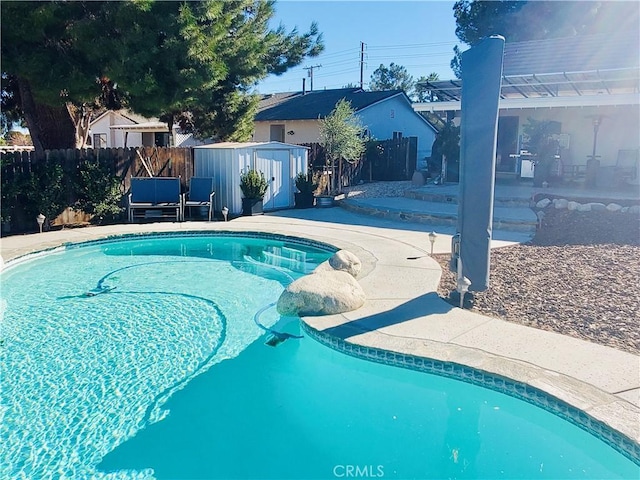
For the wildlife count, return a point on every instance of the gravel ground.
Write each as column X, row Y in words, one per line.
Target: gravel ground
column 579, row 276
column 378, row 189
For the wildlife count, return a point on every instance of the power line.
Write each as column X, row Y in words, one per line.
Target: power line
column 412, row 45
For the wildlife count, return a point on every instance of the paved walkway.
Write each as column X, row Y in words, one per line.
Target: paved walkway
column 404, row 314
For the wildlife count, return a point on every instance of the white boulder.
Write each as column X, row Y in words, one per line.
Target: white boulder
column 544, row 203
column 346, row 261
column 585, row 207
column 614, row 207
column 561, row 203
column 573, row 206
column 598, row 207
column 321, row 293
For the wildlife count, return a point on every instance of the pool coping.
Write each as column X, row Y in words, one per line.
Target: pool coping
column 601, row 381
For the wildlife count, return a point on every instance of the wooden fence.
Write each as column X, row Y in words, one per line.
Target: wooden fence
column 393, row 159
column 124, row 163
column 383, row 160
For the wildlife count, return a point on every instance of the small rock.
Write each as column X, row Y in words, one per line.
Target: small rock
column 585, row 207
column 346, row 261
column 635, row 209
column 321, row 293
column 573, row 206
column 614, row 207
column 561, row 203
column 624, row 210
column 598, row 207
column 544, row 203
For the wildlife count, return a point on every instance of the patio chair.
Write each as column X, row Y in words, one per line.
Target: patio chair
column 200, row 194
column 626, row 169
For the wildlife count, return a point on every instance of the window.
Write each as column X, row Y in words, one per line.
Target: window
column 161, row 139
column 276, row 133
column 100, row 140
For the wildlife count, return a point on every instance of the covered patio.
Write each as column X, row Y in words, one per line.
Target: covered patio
column 588, row 87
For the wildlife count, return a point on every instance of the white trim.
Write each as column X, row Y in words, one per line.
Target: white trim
column 143, row 127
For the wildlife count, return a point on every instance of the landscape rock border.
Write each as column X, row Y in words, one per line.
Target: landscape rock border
column 563, row 203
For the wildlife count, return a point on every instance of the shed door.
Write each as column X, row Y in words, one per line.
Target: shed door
column 275, row 165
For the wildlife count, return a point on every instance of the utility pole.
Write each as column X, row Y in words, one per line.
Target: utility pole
column 362, row 45
column 310, row 74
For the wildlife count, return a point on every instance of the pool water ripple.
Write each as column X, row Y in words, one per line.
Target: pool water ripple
column 97, row 340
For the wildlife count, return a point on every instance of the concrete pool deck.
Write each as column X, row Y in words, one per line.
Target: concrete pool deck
column 404, row 314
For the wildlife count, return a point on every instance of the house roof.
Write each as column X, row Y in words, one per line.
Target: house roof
column 272, row 99
column 573, row 54
column 320, row 103
column 564, row 67
column 133, row 117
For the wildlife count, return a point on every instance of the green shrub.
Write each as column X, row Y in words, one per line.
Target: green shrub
column 45, row 190
column 253, row 184
column 306, row 182
column 98, row 190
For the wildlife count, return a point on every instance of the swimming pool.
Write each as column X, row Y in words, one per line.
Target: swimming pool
column 146, row 357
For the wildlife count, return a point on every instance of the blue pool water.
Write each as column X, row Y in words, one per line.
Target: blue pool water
column 146, row 358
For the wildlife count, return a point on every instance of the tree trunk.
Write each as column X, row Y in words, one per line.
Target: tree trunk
column 50, row 127
column 81, row 118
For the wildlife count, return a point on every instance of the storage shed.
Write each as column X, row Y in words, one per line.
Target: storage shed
column 280, row 163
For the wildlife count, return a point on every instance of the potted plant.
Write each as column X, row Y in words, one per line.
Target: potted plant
column 341, row 135
column 306, row 184
column 253, row 186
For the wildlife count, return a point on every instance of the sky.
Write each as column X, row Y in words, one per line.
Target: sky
column 420, row 35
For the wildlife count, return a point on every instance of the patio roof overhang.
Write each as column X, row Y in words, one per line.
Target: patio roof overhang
column 564, row 89
column 538, row 102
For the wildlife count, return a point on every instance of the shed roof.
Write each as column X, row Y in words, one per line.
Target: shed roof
column 320, row 103
column 238, row 145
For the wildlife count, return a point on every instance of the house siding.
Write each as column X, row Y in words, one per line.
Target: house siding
column 396, row 115
column 304, row 131
column 115, row 138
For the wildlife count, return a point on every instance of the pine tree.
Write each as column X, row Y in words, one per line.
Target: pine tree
column 192, row 62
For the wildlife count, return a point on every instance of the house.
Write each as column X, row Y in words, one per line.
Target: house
column 589, row 85
column 121, row 129
column 294, row 116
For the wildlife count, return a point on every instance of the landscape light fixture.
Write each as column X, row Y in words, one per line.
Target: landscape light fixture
column 462, row 285
column 40, row 219
column 432, row 239
column 225, row 213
